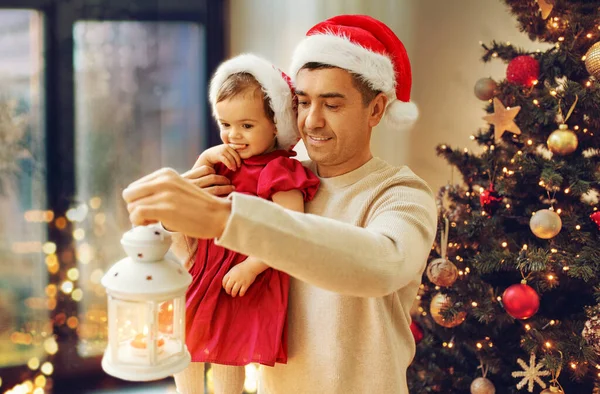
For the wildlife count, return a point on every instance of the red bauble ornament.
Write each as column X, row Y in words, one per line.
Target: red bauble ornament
column 521, row 301
column 416, row 331
column 490, row 200
column 596, row 218
column 523, row 70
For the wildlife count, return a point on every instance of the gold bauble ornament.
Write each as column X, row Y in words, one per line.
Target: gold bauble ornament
column 482, row 386
column 441, row 301
column 545, row 224
column 552, row 390
column 592, row 60
column 562, row 141
column 485, row 89
column 442, row 272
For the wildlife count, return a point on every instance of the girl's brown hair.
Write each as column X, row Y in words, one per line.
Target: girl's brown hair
column 241, row 82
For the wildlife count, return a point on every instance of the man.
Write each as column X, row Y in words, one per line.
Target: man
column 357, row 257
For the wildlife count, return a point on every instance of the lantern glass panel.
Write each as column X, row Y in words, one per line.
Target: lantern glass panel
column 134, row 332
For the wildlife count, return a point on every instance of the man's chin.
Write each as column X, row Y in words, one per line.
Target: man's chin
column 316, row 155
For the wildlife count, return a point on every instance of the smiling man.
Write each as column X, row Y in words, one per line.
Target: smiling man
column 356, row 259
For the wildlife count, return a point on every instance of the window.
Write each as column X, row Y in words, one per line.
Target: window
column 24, row 316
column 93, row 94
column 138, row 108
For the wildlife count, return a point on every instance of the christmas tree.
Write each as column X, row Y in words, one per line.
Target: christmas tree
column 509, row 300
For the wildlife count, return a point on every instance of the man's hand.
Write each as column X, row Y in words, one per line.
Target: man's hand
column 205, row 178
column 165, row 196
column 223, row 153
column 238, row 279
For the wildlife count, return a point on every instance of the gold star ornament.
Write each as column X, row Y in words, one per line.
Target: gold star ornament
column 545, row 7
column 503, row 119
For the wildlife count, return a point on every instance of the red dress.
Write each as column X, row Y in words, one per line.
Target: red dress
column 230, row 330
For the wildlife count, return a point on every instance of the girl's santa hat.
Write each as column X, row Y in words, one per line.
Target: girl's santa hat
column 368, row 48
column 275, row 84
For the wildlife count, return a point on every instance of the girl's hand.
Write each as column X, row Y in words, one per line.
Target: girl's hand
column 225, row 154
column 238, row 280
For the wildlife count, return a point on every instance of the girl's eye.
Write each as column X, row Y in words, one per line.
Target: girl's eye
column 247, row 126
column 224, row 125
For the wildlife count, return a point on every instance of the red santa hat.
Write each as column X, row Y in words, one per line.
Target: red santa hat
column 368, row 48
column 275, row 84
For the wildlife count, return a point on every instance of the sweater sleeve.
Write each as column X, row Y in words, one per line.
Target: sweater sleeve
column 387, row 254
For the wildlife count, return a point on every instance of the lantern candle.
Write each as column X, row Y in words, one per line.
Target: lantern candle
column 139, row 344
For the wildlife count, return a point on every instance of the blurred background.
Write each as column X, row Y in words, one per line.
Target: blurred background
column 96, row 93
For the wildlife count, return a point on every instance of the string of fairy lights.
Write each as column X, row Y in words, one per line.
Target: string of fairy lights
column 92, row 327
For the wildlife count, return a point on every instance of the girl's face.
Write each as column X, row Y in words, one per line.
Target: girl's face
column 243, row 122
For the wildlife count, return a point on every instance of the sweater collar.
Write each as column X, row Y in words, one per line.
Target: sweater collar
column 349, row 178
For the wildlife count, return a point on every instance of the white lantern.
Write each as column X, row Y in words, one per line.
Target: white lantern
column 146, row 309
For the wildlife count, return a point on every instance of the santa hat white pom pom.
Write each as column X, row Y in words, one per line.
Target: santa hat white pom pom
column 368, row 48
column 399, row 113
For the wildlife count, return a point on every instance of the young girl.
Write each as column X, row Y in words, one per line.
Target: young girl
column 236, row 305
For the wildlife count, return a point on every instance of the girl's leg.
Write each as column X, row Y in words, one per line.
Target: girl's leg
column 228, row 379
column 191, row 379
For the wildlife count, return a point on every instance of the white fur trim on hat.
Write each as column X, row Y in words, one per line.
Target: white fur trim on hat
column 274, row 86
column 399, row 113
column 375, row 69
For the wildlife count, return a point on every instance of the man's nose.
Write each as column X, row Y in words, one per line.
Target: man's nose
column 314, row 118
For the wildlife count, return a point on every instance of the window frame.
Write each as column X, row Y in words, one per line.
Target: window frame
column 59, row 17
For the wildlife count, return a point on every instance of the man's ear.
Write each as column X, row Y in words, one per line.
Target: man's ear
column 377, row 109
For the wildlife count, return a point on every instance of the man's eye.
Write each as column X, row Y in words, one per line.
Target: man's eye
column 332, row 106
column 303, row 104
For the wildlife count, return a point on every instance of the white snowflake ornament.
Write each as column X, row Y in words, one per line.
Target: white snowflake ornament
column 531, row 374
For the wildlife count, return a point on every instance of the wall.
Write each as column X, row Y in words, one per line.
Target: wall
column 442, row 40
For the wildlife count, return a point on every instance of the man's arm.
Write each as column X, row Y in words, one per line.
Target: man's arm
column 291, row 199
column 374, row 261
column 240, row 277
column 384, row 257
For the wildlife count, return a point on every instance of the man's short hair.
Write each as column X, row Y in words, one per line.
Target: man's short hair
column 367, row 93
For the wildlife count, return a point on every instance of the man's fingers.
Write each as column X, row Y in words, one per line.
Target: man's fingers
column 198, row 172
column 210, row 180
column 154, row 183
column 163, row 172
column 142, row 214
column 220, row 190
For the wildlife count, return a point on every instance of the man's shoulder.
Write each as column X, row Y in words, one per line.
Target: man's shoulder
column 397, row 174
column 389, row 179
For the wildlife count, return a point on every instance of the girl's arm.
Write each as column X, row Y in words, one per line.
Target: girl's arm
column 239, row 278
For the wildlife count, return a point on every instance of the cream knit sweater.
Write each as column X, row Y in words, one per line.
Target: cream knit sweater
column 356, row 260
